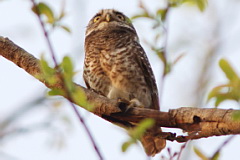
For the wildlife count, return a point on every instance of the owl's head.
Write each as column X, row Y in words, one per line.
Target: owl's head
column 108, row 18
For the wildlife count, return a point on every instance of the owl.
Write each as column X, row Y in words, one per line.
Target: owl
column 117, row 67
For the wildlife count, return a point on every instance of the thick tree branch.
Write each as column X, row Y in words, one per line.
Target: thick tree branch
column 197, row 122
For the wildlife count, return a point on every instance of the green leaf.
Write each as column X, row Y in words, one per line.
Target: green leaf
column 140, row 129
column 160, row 53
column 173, row 3
column 201, row 4
column 45, row 66
column 62, row 14
column 76, row 93
column 126, row 145
column 220, row 98
column 49, row 73
column 168, row 68
column 215, row 156
column 142, row 15
column 228, row 70
column 162, row 13
column 67, row 29
column 200, row 154
column 68, row 73
column 225, row 92
column 47, row 11
column 236, row 115
column 229, row 91
column 56, row 92
column 67, row 65
column 43, row 9
column 80, row 98
column 217, row 90
column 137, row 132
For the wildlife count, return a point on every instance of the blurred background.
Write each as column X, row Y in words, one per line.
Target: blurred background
column 35, row 127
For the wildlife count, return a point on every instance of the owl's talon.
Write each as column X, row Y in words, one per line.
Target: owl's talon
column 123, row 104
column 135, row 103
column 127, row 105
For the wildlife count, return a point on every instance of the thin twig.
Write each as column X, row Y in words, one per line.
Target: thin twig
column 45, row 33
column 181, row 150
column 61, row 77
column 87, row 130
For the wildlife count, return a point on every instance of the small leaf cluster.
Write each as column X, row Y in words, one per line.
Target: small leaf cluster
column 137, row 132
column 158, row 18
column 160, row 14
column 42, row 9
column 230, row 90
column 65, row 72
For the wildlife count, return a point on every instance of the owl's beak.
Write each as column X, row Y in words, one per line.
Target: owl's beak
column 108, row 17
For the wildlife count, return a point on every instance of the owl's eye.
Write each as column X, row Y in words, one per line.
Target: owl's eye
column 120, row 16
column 96, row 19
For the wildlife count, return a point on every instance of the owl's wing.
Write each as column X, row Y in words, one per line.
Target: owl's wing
column 144, row 64
column 86, row 82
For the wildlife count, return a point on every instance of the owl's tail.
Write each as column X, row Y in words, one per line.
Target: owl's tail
column 152, row 143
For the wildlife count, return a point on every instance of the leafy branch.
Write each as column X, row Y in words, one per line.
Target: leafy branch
column 66, row 68
column 198, row 122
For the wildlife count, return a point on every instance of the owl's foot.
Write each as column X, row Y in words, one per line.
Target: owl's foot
column 125, row 105
column 135, row 103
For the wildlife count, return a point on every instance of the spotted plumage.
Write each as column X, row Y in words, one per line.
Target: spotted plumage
column 117, row 67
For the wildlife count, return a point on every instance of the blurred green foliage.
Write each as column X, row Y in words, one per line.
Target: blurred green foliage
column 215, row 156
column 201, row 4
column 66, row 71
column 48, row 73
column 236, row 116
column 158, row 18
column 229, row 90
column 200, row 154
column 51, row 18
column 137, row 132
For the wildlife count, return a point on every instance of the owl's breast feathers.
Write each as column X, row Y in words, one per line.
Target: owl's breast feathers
column 117, row 67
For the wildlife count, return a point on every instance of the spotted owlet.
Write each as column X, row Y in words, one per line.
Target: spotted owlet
column 117, row 67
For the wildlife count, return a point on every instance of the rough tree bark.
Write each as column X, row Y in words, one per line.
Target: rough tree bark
column 198, row 122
